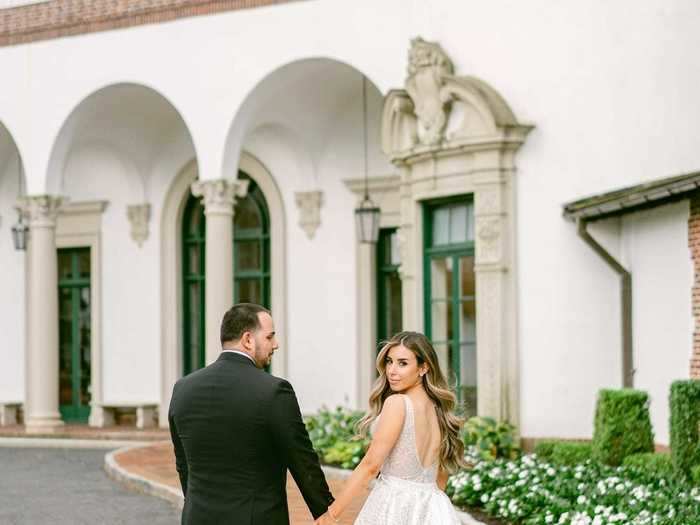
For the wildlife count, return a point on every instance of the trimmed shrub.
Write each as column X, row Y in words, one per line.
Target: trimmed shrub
column 622, row 426
column 544, row 449
column 332, row 434
column 685, row 425
column 695, row 475
column 346, row 454
column 658, row 465
column 491, row 439
column 571, row 453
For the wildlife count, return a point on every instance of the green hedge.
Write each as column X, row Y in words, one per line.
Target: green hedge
column 332, row 434
column 622, row 426
column 491, row 438
column 685, row 425
column 564, row 452
column 659, row 465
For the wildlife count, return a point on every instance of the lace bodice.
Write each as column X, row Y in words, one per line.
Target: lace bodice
column 403, row 461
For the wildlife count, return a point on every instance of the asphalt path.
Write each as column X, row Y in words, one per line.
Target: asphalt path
column 69, row 486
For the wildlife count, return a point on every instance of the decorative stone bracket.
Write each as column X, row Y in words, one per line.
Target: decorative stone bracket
column 139, row 216
column 309, row 203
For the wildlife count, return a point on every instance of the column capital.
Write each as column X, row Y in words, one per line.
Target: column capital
column 41, row 210
column 219, row 195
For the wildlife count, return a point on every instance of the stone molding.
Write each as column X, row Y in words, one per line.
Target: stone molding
column 309, row 204
column 694, row 245
column 219, row 195
column 42, row 210
column 139, row 215
column 455, row 135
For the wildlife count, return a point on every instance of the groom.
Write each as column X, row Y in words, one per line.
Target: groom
column 237, row 429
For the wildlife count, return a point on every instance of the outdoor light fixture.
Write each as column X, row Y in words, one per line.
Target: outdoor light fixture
column 20, row 231
column 367, row 215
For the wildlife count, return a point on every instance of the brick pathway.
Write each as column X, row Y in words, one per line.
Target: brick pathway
column 157, row 463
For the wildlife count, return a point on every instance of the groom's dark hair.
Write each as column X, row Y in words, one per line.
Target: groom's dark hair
column 241, row 318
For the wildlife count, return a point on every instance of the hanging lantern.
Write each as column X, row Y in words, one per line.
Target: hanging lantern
column 367, row 215
column 20, row 233
column 367, row 221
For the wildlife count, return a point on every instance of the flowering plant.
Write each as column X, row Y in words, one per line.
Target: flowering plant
column 531, row 491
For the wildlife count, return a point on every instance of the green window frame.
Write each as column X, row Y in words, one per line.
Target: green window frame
column 389, row 293
column 450, row 291
column 193, row 285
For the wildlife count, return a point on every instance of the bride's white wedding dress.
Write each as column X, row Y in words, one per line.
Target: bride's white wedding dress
column 406, row 493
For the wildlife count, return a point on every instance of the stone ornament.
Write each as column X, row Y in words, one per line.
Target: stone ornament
column 439, row 111
column 219, row 195
column 428, row 69
column 309, row 203
column 42, row 210
column 139, row 215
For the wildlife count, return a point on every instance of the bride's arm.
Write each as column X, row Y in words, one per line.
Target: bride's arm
column 383, row 440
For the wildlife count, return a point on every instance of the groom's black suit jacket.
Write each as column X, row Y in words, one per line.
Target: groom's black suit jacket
column 236, row 430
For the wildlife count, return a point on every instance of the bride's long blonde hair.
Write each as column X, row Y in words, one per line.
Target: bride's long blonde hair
column 451, row 448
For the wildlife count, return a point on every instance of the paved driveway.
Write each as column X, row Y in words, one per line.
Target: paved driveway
column 58, row 486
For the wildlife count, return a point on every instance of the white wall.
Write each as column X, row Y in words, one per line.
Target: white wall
column 612, row 88
column 655, row 250
column 12, row 316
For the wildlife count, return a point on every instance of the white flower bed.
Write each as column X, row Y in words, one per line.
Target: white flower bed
column 529, row 491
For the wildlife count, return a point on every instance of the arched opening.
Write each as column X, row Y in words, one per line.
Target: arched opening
column 251, row 261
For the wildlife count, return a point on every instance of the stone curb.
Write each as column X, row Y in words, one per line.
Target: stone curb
column 45, row 442
column 153, row 488
column 139, row 483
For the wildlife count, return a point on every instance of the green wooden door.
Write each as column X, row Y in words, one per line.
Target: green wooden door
column 74, row 334
column 450, row 292
column 251, row 265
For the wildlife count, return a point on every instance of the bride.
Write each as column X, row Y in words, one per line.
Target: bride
column 415, row 441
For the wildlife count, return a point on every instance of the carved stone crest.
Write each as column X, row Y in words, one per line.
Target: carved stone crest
column 309, row 203
column 428, row 68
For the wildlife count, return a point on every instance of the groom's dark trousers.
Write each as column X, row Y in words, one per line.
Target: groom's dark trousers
column 236, row 430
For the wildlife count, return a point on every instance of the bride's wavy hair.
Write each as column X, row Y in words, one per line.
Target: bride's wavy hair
column 452, row 448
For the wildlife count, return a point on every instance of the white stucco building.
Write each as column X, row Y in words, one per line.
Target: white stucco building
column 124, row 133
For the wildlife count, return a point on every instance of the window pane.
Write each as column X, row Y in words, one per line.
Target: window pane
column 458, row 223
column 441, row 225
column 85, row 343
column 249, row 291
column 441, row 277
column 65, row 358
column 64, row 265
column 441, row 317
column 196, row 218
column 194, row 262
column 192, row 350
column 394, row 317
column 248, row 255
column 444, row 355
column 246, row 214
column 467, row 277
column 83, row 263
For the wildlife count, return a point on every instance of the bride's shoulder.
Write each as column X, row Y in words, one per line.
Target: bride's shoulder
column 395, row 404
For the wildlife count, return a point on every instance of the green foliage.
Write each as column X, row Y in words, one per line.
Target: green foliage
column 571, row 453
column 332, row 434
column 544, row 449
column 655, row 464
column 695, row 475
column 345, row 454
column 563, row 452
column 685, row 425
column 622, row 426
column 492, row 440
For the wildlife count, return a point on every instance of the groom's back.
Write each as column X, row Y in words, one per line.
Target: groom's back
column 233, row 472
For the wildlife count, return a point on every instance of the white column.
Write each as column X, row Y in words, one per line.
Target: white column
column 367, row 322
column 218, row 197
column 41, row 408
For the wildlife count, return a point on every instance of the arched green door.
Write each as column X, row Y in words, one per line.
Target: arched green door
column 251, row 265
